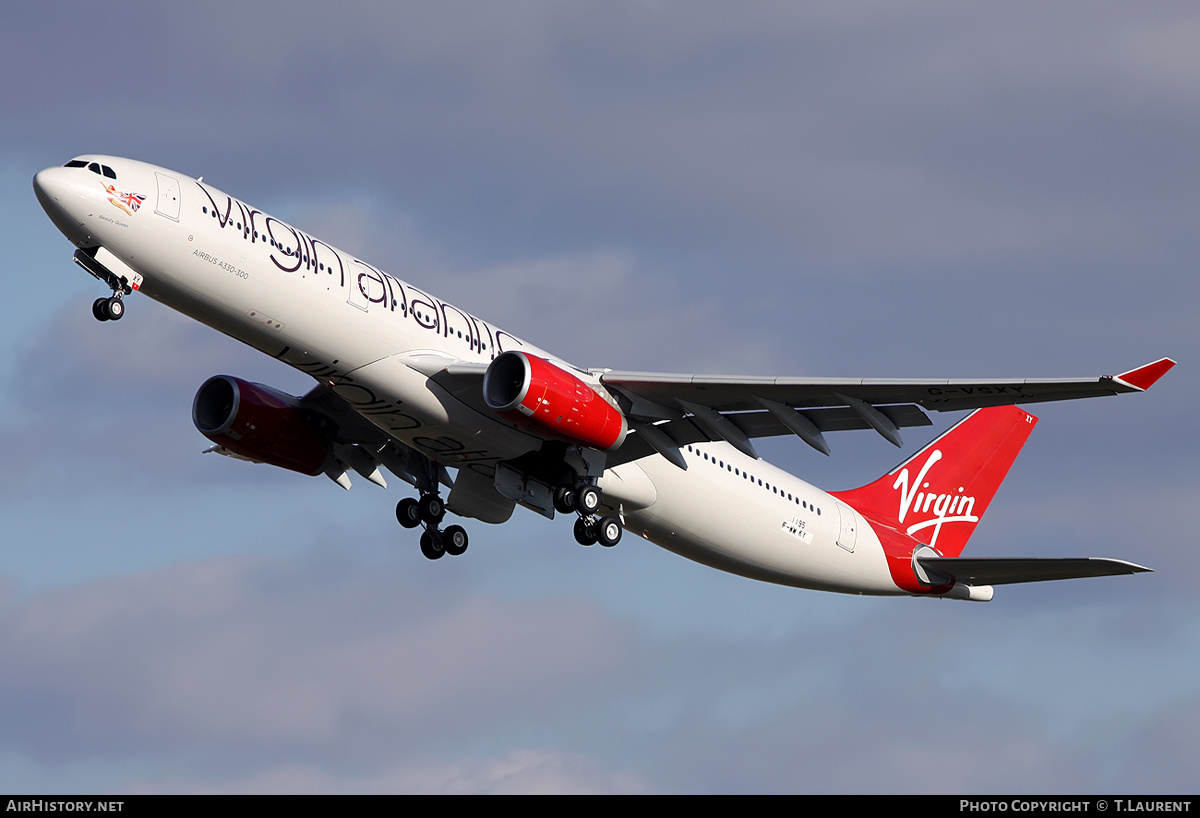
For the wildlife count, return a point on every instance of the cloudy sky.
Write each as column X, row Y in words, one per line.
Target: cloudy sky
column 880, row 189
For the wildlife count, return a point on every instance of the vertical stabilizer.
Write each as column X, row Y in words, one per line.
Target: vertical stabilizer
column 938, row 495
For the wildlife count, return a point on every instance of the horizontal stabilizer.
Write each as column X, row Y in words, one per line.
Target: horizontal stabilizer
column 1006, row 571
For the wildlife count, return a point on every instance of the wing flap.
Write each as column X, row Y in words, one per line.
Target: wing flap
column 684, row 432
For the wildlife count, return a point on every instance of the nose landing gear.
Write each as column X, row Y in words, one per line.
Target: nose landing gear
column 115, row 273
column 108, row 309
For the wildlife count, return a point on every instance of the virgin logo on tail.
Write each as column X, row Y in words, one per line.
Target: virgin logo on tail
column 946, row 508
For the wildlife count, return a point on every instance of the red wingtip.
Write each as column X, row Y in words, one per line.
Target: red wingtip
column 1145, row 376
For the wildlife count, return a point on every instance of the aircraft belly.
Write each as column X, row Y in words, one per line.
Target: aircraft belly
column 628, row 485
column 406, row 404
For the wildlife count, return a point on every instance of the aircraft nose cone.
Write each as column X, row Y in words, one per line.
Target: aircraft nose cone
column 47, row 184
column 56, row 193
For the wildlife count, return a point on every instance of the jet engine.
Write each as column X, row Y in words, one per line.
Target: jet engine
column 259, row 423
column 534, row 393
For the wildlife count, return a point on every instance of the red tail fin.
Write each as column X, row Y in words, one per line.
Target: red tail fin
column 937, row 496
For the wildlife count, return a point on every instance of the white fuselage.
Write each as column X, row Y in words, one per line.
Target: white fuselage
column 748, row 517
column 376, row 339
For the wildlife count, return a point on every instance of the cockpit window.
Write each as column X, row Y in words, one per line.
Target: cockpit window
column 94, row 167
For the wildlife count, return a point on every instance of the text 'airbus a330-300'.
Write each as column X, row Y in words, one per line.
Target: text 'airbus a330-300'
column 444, row 400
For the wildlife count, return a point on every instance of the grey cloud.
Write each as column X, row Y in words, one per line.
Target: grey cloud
column 263, row 655
column 534, row 123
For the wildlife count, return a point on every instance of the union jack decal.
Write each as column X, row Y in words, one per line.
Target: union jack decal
column 129, row 202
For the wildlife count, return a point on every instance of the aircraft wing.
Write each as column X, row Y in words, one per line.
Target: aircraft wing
column 733, row 394
column 738, row 408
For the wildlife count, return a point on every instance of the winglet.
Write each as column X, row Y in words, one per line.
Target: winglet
column 1145, row 376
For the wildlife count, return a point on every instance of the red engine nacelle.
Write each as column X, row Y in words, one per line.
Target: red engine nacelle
column 257, row 422
column 532, row 392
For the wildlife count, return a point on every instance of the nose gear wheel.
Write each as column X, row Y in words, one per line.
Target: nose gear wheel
column 108, row 309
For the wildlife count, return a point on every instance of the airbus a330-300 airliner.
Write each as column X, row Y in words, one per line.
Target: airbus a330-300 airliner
column 409, row 383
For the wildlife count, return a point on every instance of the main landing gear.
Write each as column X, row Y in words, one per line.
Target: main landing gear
column 428, row 511
column 589, row 528
column 585, row 500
